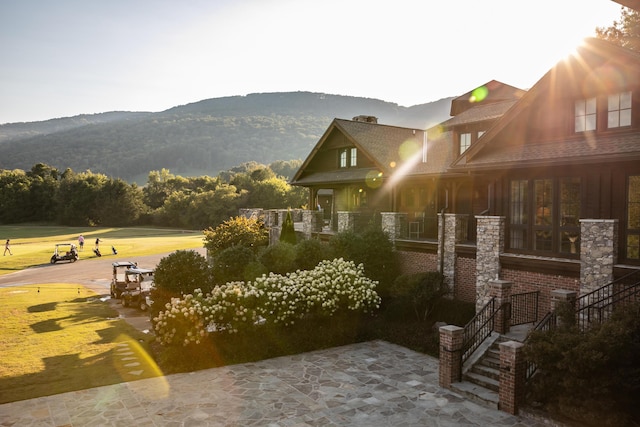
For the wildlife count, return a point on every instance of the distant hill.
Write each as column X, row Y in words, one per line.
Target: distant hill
column 203, row 137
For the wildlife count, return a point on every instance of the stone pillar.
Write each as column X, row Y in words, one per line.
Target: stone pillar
column 271, row 218
column 501, row 290
column 489, row 246
column 512, row 376
column 598, row 252
column 347, row 221
column 312, row 222
column 450, row 370
column 392, row 223
column 454, row 233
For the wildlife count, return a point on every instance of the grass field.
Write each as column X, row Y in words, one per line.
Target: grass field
column 67, row 338
column 34, row 245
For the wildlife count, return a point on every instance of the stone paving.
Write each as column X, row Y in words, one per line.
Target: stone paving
column 366, row 384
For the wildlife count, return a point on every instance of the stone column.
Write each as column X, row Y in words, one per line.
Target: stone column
column 312, row 222
column 512, row 376
column 450, row 370
column 282, row 214
column 454, row 233
column 392, row 223
column 347, row 221
column 271, row 218
column 598, row 252
column 489, row 246
column 501, row 290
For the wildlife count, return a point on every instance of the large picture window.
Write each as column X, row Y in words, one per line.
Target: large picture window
column 544, row 215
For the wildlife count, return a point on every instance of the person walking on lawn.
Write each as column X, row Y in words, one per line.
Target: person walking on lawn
column 7, row 248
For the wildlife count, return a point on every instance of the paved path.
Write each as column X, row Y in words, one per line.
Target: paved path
column 366, row 384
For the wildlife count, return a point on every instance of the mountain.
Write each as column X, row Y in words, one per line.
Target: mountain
column 201, row 138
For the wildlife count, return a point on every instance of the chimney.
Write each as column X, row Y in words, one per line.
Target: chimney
column 366, row 119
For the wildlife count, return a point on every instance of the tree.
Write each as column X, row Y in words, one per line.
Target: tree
column 288, row 233
column 624, row 32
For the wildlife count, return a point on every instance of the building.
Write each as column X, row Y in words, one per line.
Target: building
column 540, row 188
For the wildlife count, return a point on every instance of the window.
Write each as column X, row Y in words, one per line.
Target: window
column 518, row 214
column 633, row 218
column 585, row 115
column 544, row 215
column 543, row 200
column 465, row 142
column 348, row 157
column 343, row 158
column 619, row 110
column 570, row 215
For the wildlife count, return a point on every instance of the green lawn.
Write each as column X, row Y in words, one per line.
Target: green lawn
column 34, row 245
column 63, row 337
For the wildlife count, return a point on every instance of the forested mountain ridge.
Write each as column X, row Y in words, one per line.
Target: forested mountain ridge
column 203, row 137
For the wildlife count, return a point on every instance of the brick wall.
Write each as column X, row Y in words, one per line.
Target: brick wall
column 465, row 289
column 417, row 262
column 529, row 281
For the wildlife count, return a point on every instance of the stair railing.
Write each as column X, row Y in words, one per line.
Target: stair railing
column 479, row 328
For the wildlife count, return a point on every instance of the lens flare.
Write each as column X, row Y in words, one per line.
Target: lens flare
column 408, row 149
column 373, row 179
column 479, row 94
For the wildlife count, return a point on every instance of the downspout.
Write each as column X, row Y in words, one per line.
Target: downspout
column 441, row 243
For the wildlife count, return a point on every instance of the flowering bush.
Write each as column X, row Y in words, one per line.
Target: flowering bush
column 236, row 306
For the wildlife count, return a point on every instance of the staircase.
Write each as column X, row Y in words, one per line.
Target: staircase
column 481, row 372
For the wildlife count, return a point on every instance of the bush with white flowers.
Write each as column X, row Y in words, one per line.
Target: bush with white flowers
column 331, row 286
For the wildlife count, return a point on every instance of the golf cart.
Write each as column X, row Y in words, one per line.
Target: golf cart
column 118, row 284
column 64, row 252
column 139, row 282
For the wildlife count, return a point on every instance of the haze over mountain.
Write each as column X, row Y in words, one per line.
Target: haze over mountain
column 201, row 138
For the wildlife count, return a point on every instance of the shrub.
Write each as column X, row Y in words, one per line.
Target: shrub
column 333, row 287
column 416, row 293
column 373, row 249
column 592, row 376
column 279, row 258
column 309, row 253
column 176, row 274
column 238, row 231
column 288, row 233
column 229, row 264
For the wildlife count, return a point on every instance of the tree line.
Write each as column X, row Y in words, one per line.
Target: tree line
column 45, row 195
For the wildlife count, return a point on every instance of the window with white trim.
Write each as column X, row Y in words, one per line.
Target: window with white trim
column 619, row 110
column 354, row 157
column 585, row 115
column 465, row 142
column 343, row 158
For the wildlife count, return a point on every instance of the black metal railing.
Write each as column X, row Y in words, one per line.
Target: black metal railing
column 523, row 308
column 478, row 329
column 598, row 306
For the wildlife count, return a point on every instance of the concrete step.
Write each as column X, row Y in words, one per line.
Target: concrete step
column 490, row 361
column 476, row 393
column 482, row 381
column 486, row 371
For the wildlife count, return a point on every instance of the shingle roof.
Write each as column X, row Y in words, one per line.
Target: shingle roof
column 479, row 113
column 586, row 149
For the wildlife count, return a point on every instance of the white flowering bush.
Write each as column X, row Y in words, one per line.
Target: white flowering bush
column 276, row 299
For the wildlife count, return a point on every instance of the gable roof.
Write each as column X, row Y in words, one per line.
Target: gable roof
column 584, row 65
column 488, row 93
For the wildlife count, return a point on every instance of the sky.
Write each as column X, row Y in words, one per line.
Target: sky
column 68, row 57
